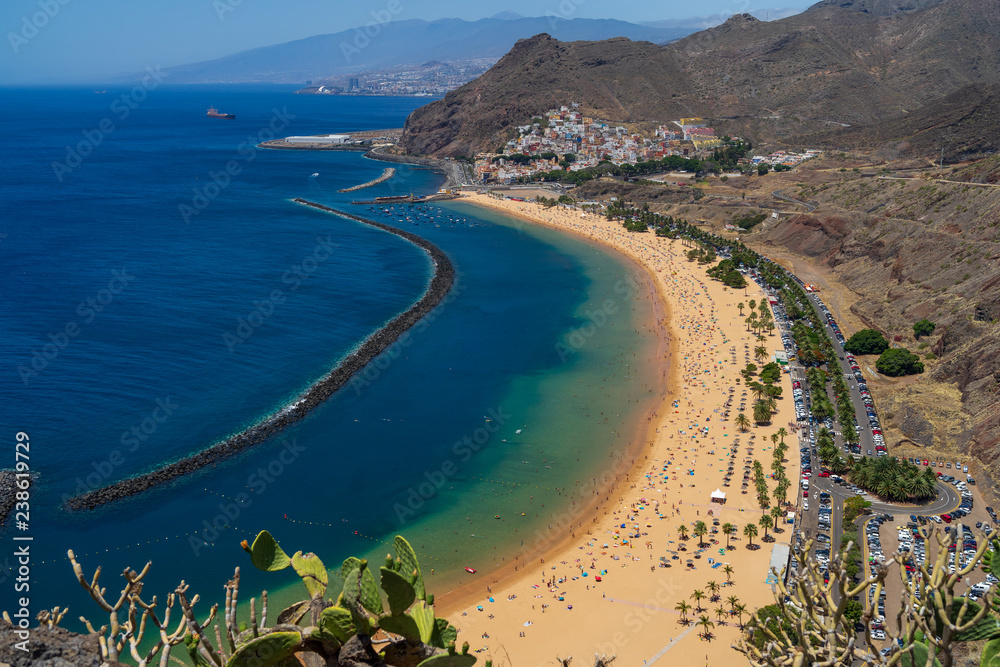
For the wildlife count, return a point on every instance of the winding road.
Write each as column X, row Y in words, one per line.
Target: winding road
column 810, row 205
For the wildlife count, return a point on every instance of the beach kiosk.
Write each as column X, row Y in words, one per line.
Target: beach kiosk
column 719, row 497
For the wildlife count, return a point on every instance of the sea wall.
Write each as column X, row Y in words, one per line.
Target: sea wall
column 441, row 283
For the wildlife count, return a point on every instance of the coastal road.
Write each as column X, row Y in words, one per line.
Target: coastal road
column 947, row 497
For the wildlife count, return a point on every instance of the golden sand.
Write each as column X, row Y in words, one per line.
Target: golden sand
column 558, row 608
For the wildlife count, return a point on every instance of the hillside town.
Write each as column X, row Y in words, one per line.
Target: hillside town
column 565, row 139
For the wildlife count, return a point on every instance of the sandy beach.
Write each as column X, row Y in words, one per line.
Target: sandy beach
column 613, row 587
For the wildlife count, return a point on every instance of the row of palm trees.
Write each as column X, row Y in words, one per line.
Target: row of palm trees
column 749, row 531
column 758, row 320
column 736, row 608
column 829, row 453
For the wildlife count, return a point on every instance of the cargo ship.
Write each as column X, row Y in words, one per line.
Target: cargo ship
column 214, row 113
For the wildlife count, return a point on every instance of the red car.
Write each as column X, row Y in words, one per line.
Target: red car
column 805, row 494
column 925, row 461
column 946, row 518
column 824, row 474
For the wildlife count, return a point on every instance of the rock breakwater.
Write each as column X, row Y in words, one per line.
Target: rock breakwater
column 387, row 173
column 440, row 284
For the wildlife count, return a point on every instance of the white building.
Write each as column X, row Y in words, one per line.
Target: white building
column 320, row 139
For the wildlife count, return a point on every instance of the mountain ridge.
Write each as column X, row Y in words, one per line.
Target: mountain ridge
column 767, row 80
column 400, row 42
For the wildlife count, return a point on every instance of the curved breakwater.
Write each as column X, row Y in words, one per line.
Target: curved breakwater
column 441, row 283
column 387, row 173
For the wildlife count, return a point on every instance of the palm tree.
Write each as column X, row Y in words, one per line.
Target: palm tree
column 700, row 530
column 750, row 532
column 742, row 423
column 753, row 305
column 720, row 615
column 714, row 588
column 683, row 607
column 698, row 596
column 771, row 328
column 782, row 433
column 732, row 601
column 766, row 522
column 682, row 531
column 776, row 514
column 760, row 352
column 739, row 610
column 740, row 306
column 774, row 441
column 761, row 412
column 728, row 569
column 706, row 625
column 727, row 530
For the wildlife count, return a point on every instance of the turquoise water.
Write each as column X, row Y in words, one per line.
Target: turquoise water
column 540, row 335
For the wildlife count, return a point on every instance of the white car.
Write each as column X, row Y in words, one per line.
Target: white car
column 878, row 635
column 805, row 505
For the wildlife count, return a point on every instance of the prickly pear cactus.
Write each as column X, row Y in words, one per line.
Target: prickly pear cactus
column 358, row 612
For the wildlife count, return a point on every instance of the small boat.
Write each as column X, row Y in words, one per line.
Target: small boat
column 470, row 570
column 314, row 175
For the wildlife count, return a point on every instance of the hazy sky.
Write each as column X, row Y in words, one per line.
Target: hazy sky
column 84, row 40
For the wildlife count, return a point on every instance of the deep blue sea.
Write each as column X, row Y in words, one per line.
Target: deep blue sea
column 154, row 304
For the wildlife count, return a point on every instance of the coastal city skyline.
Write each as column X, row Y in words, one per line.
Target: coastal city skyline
column 60, row 42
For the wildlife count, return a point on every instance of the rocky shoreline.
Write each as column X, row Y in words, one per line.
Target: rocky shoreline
column 372, row 347
column 7, row 497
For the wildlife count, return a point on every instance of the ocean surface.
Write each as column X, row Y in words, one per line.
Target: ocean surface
column 161, row 291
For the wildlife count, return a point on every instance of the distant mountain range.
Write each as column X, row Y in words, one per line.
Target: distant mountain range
column 402, row 42
column 839, row 63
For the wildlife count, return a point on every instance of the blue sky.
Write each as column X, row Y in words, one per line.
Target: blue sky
column 84, row 40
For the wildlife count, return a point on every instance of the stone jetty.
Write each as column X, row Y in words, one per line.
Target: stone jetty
column 441, row 283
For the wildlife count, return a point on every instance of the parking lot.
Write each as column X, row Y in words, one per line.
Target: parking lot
column 822, row 494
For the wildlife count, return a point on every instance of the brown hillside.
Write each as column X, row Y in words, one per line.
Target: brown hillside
column 617, row 79
column 913, row 249
column 964, row 124
column 865, row 62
